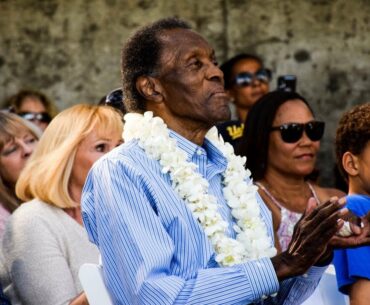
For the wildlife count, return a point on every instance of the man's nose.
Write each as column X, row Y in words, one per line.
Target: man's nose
column 215, row 73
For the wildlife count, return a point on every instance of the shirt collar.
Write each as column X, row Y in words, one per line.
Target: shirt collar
column 213, row 153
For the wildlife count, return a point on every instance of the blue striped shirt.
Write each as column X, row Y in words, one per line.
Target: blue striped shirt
column 155, row 252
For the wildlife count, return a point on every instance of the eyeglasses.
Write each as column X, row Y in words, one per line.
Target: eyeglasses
column 35, row 116
column 245, row 79
column 292, row 132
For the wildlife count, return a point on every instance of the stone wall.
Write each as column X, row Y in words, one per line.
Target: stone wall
column 71, row 49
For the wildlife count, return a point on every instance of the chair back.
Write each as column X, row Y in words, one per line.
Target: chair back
column 91, row 278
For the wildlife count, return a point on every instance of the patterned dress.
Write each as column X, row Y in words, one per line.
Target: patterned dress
column 288, row 218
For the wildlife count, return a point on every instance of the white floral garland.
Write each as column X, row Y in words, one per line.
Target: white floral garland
column 252, row 240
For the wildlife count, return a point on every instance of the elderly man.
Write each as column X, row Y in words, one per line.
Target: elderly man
column 173, row 211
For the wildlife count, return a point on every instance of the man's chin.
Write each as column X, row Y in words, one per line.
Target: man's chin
column 224, row 114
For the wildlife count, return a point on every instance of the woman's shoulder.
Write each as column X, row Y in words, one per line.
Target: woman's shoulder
column 34, row 215
column 4, row 213
column 34, row 207
column 325, row 193
column 36, row 221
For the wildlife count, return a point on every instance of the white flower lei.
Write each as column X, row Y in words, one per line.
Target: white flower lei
column 252, row 240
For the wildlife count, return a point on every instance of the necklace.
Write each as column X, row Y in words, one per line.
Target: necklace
column 252, row 240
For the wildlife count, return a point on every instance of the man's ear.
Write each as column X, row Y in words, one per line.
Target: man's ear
column 150, row 88
column 350, row 163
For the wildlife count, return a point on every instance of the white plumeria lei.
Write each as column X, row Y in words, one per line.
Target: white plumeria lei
column 252, row 240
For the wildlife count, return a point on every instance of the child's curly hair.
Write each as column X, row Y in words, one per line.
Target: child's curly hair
column 353, row 133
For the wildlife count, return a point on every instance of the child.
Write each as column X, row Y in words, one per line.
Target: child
column 353, row 157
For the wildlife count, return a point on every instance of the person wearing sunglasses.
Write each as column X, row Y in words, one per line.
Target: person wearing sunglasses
column 33, row 106
column 281, row 142
column 246, row 80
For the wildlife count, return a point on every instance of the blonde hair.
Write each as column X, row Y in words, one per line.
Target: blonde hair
column 47, row 174
column 11, row 126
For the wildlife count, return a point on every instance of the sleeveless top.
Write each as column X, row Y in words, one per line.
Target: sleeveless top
column 288, row 218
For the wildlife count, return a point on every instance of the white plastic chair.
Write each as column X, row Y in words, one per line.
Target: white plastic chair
column 327, row 292
column 91, row 278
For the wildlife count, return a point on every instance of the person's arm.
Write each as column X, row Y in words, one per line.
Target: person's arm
column 308, row 246
column 359, row 292
column 139, row 250
column 312, row 243
column 310, row 240
column 81, row 299
column 139, row 253
column 38, row 267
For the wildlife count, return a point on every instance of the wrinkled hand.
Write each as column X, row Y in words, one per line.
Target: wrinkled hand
column 360, row 237
column 311, row 237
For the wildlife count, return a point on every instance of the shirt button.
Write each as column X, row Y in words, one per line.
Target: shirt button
column 273, row 295
column 264, row 297
column 199, row 152
column 305, row 275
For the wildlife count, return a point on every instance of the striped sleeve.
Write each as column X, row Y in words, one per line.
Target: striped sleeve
column 296, row 290
column 120, row 214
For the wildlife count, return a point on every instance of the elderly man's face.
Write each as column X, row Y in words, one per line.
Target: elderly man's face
column 192, row 82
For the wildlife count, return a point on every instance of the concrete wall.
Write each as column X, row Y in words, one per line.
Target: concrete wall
column 71, row 49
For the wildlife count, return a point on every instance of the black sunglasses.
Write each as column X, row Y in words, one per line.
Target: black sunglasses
column 292, row 132
column 245, row 79
column 35, row 116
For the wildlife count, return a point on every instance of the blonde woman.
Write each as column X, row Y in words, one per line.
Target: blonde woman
column 44, row 242
column 18, row 139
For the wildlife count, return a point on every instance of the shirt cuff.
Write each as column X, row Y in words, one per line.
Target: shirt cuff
column 314, row 273
column 262, row 278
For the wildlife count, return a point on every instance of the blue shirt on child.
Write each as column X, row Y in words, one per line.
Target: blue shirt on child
column 353, row 263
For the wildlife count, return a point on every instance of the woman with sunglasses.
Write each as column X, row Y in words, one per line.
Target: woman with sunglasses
column 33, row 106
column 281, row 142
column 246, row 80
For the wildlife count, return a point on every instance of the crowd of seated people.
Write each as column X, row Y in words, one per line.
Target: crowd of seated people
column 45, row 158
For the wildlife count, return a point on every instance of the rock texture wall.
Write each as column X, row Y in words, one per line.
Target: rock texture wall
column 71, row 49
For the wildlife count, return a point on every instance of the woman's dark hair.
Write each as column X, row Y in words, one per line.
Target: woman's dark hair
column 255, row 141
column 141, row 57
column 227, row 66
